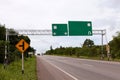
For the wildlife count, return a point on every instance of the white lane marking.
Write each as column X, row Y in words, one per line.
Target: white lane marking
column 62, row 71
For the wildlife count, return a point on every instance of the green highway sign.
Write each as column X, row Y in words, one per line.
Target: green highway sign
column 74, row 28
column 80, row 28
column 59, row 30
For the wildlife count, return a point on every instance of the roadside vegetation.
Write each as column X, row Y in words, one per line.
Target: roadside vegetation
column 12, row 39
column 91, row 51
column 13, row 71
column 10, row 66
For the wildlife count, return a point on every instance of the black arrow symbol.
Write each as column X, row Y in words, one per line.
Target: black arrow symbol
column 22, row 45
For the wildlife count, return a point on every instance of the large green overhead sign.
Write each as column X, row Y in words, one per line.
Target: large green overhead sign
column 74, row 28
column 59, row 30
column 80, row 28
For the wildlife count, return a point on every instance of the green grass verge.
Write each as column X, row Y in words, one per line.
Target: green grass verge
column 13, row 71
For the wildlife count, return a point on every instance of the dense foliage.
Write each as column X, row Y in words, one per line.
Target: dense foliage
column 12, row 52
column 90, row 50
column 2, row 42
column 115, row 46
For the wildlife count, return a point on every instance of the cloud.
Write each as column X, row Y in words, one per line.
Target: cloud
column 108, row 17
column 110, row 5
column 113, row 4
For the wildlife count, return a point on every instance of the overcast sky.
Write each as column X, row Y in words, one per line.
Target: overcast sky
column 40, row 14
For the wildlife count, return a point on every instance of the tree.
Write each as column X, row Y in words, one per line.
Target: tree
column 2, row 43
column 88, row 43
column 13, row 53
column 2, row 51
column 115, row 46
column 2, row 32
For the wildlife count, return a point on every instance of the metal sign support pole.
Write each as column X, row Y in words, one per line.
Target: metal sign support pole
column 22, row 63
column 102, row 55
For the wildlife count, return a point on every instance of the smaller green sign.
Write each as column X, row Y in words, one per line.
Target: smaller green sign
column 59, row 30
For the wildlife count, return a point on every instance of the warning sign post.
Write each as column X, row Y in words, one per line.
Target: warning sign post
column 22, row 46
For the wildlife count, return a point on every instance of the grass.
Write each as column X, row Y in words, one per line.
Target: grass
column 13, row 71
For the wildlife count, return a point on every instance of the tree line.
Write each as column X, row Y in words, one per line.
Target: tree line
column 90, row 50
column 12, row 53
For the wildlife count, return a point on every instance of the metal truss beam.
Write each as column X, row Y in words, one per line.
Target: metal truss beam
column 34, row 32
column 49, row 32
column 99, row 32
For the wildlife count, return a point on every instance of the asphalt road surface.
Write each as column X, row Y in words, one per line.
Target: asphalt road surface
column 64, row 68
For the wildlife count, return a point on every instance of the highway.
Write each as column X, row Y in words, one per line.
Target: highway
column 65, row 68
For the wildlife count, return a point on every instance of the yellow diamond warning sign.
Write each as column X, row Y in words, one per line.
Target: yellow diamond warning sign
column 22, row 45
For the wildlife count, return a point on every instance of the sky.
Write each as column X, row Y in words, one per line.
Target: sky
column 41, row 14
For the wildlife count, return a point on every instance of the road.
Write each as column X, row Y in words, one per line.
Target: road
column 64, row 68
